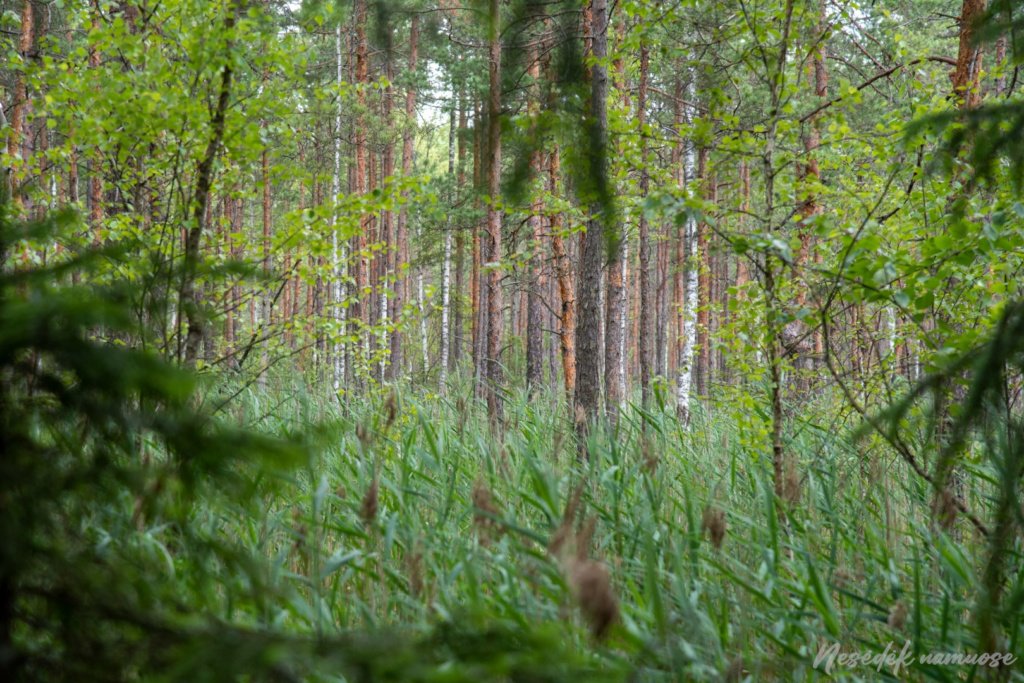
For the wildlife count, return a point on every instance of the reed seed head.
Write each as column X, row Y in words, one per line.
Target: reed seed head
column 592, row 586
column 734, row 672
column 897, row 616
column 790, row 484
column 414, row 567
column 368, row 509
column 485, row 510
column 390, row 410
column 713, row 523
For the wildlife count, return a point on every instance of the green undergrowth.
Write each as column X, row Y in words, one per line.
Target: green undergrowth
column 713, row 575
column 157, row 526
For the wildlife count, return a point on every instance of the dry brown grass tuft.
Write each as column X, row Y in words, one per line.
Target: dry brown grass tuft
column 897, row 616
column 713, row 523
column 414, row 567
column 649, row 462
column 592, row 587
column 588, row 579
column 390, row 410
column 791, row 487
column 485, row 511
column 368, row 508
column 734, row 672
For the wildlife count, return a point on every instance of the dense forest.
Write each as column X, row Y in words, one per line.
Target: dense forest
column 511, row 340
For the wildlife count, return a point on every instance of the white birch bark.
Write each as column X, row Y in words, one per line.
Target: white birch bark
column 338, row 255
column 446, row 276
column 624, row 303
column 423, row 315
column 685, row 377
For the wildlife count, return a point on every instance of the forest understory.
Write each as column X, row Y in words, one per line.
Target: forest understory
column 513, row 340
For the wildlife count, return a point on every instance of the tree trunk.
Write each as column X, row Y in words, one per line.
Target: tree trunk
column 189, row 300
column 588, row 381
column 688, row 286
column 339, row 255
column 267, row 298
column 566, row 288
column 494, row 312
column 475, row 290
column 266, row 312
column 460, row 239
column 15, row 137
column 646, row 332
column 446, row 274
column 968, row 60
column 536, row 283
column 95, row 162
column 360, row 311
column 703, row 267
column 616, row 293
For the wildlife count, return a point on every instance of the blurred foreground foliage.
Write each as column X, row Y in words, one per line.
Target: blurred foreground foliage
column 107, row 570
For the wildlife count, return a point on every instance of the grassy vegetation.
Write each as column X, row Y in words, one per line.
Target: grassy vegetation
column 412, row 515
column 160, row 529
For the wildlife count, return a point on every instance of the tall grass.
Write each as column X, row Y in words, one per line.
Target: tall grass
column 413, row 515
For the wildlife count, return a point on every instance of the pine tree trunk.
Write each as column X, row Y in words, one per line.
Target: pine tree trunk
column 968, row 61
column 646, row 332
column 616, row 293
column 588, row 380
column 460, row 241
column 359, row 309
column 566, row 288
column 494, row 309
column 401, row 288
column 15, row 137
column 476, row 303
column 95, row 162
column 536, row 283
column 266, row 300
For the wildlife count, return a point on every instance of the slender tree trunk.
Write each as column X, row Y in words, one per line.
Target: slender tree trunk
column 662, row 318
column 968, row 61
column 742, row 269
column 402, row 229
column 646, row 331
column 190, row 305
column 267, row 299
column 266, row 313
column 703, row 267
column 339, row 256
column 15, row 137
column 422, row 301
column 494, row 312
column 1000, row 60
column 566, row 287
column 359, row 308
column 96, row 161
column 460, row 239
column 616, row 293
column 475, row 289
column 536, row 283
column 811, row 175
column 446, row 273
column 687, row 315
column 588, row 381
